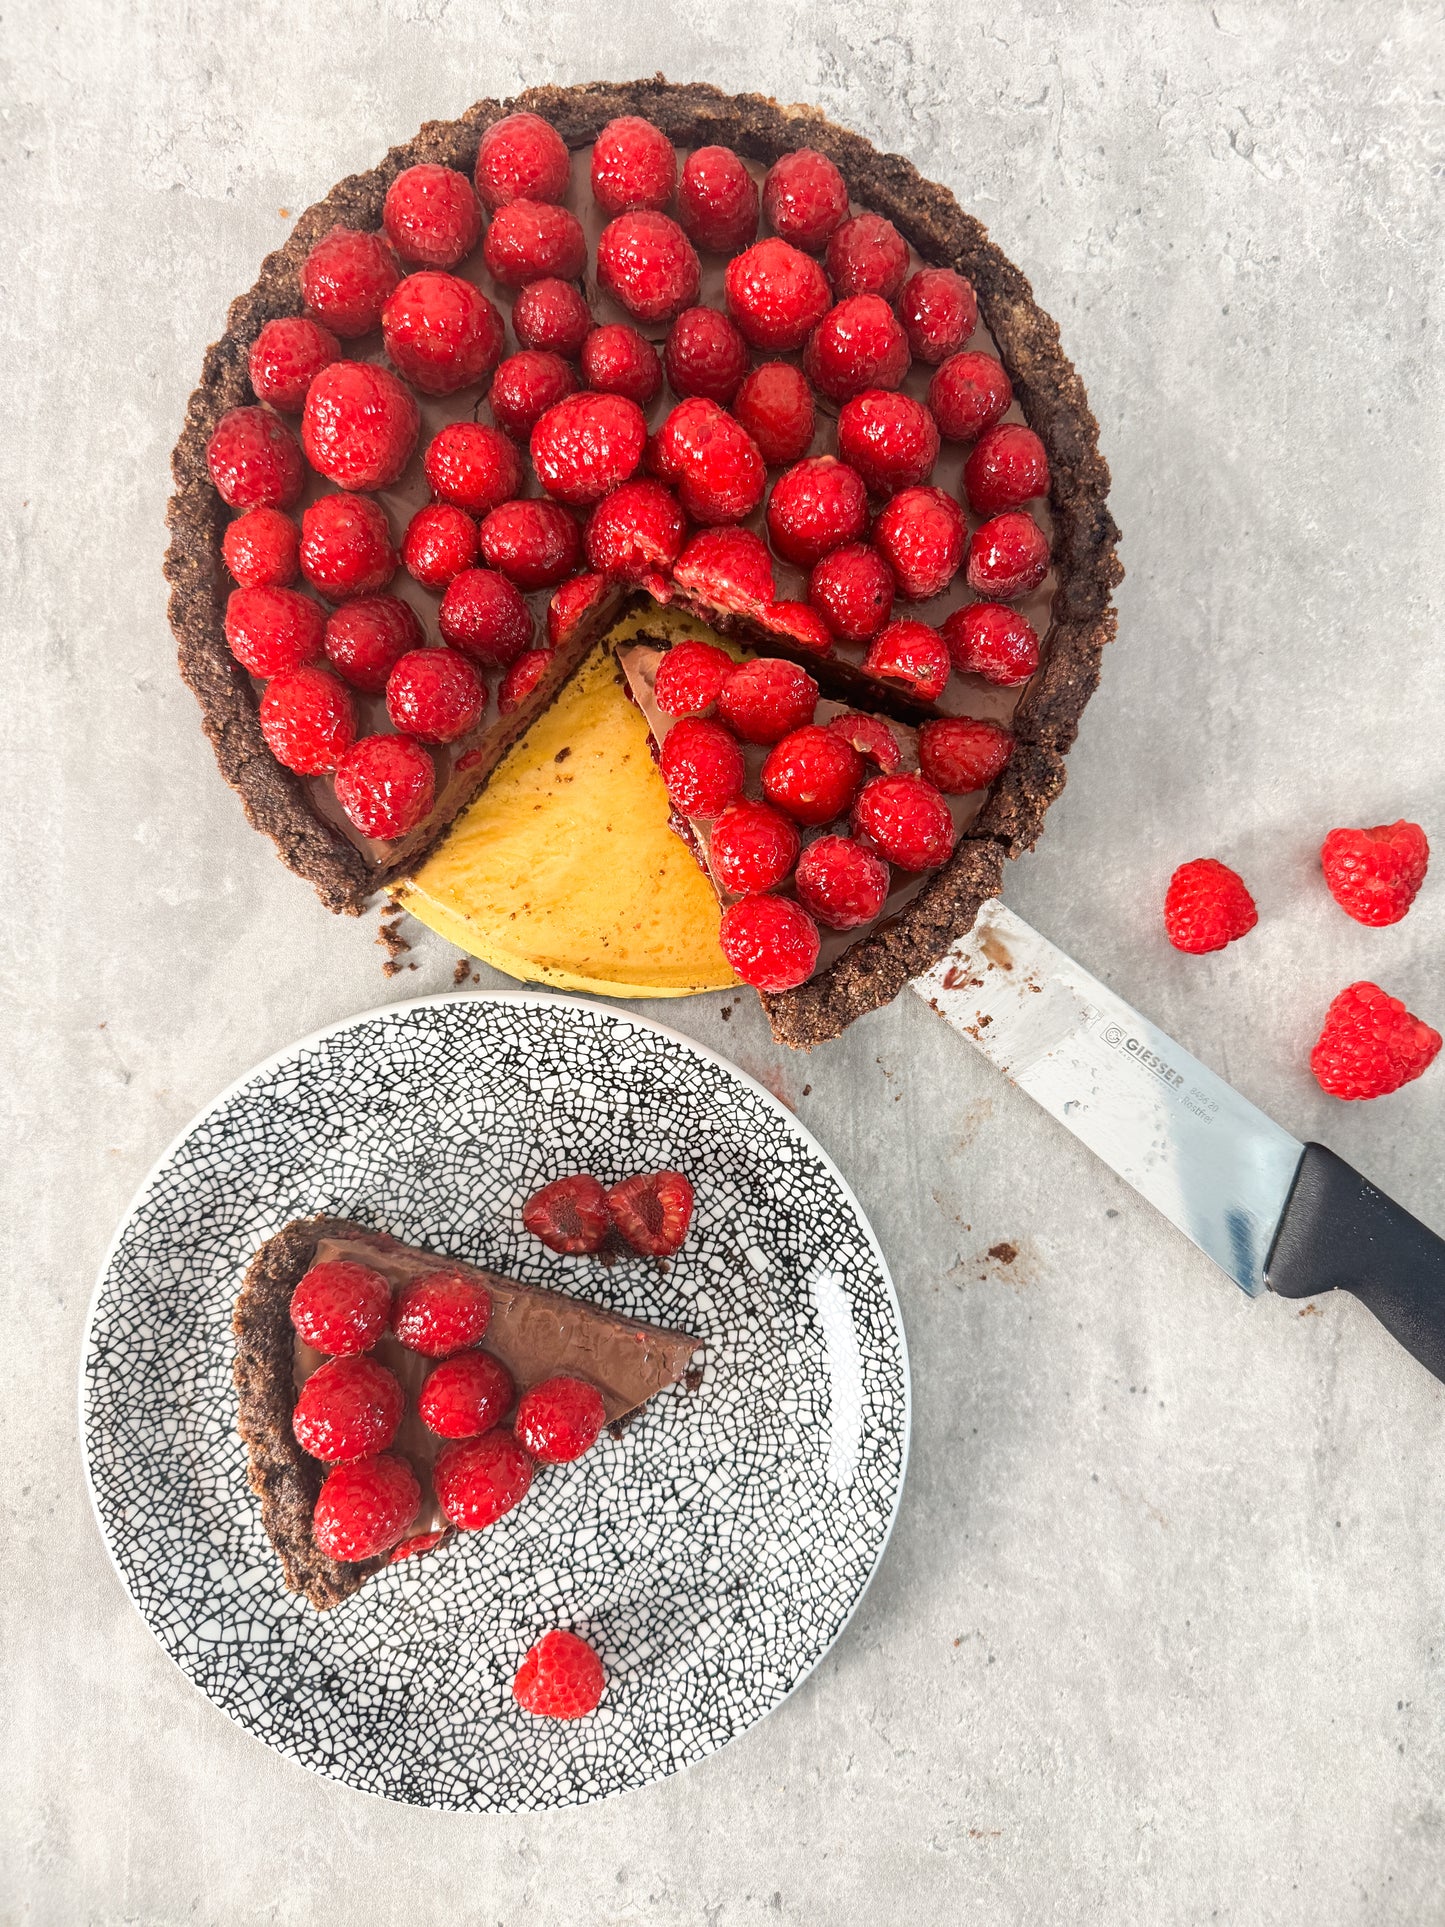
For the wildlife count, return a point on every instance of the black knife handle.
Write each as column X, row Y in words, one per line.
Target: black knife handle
column 1339, row 1233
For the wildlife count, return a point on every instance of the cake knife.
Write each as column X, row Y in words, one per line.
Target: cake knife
column 1275, row 1214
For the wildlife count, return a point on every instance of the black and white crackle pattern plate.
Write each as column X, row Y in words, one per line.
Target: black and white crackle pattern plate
column 713, row 1553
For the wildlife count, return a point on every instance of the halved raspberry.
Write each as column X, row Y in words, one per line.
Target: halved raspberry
column 1207, row 906
column 803, row 626
column 560, row 1679
column 1008, row 467
column 858, row 344
column 727, row 569
column 939, row 312
column 840, row 883
column 771, row 942
column 521, row 679
column 991, row 640
column 466, row 1396
column 959, row 754
column 813, row 775
column 435, row 695
column 912, row 657
column 285, row 358
column 705, row 355
column 271, row 631
column 646, row 262
column 534, row 544
column 1375, row 875
column 360, row 425
column 341, row 1308
column 348, row 1408
column 1370, row 1044
column 521, row 158
column 921, row 535
column 616, row 360
column 261, row 549
column 633, row 166
column 805, row 198
column 534, row 241
column 440, row 541
column 587, row 445
column 1007, row 556
column 752, row 848
column 717, row 200
column 570, row 1214
column 431, row 215
column 763, row 700
column 551, row 315
column 442, row 333
column 559, row 1420
column 906, row 819
column 474, row 466
column 867, row 255
column 776, row 295
column 969, row 393
column 346, row 547
column 576, row 598
column 637, row 532
column 525, row 386
column 308, row 720
column 871, row 737
column 347, row 279
column 853, row 589
column 386, row 785
column 365, row 639
column 690, row 678
column 775, row 405
column 254, row 461
column 712, row 460
column 817, row 505
column 653, row 1211
column 891, row 440
column 484, row 614
column 365, row 1507
column 439, row 1312
column 479, row 1480
column 702, row 767
column 418, row 1543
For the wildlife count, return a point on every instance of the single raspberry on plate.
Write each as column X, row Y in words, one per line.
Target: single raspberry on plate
column 652, row 1211
column 763, row 700
column 431, row 216
column 871, row 737
column 442, row 333
column 817, row 505
column 439, row 1312
column 534, row 544
column 360, row 425
column 633, row 166
column 1207, row 906
column 365, row 639
column 525, row 386
column 690, row 678
column 705, row 355
column 386, row 785
column 867, row 255
column 991, row 640
column 308, row 720
column 939, row 312
column 254, row 461
column 521, row 679
column 906, row 820
column 912, row 657
column 560, row 1679
column 853, row 589
column 559, row 1420
column 285, row 358
column 840, row 883
column 479, row 1480
column 858, row 344
column 485, row 616
column 418, row 1543
column 969, row 393
column 775, row 405
column 587, row 445
column 341, row 1308
column 636, row 533
column 805, row 198
column 364, row 1508
column 466, row 1396
column 346, row 547
column 576, row 598
column 617, row 360
column 717, row 200
column 347, row 279
column 271, row 631
column 753, row 847
column 727, row 569
column 534, row 241
column 348, row 1408
column 551, row 316
column 702, row 767
column 1369, row 1044
column 712, row 461
column 261, row 549
column 570, row 1214
column 1007, row 467
column 771, row 942
column 1007, row 556
column 435, row 695
column 776, row 294
column 647, row 263
column 813, row 775
column 473, row 466
column 921, row 534
column 962, row 753
column 440, row 541
column 1374, row 875
column 521, row 158
column 891, row 440
column 803, row 626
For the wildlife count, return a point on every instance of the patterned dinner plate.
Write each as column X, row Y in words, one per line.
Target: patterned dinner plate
column 712, row 1553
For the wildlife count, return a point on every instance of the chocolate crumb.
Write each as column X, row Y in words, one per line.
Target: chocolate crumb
column 692, row 1377
column 462, row 971
column 807, row 1090
column 726, row 1012
column 390, row 967
column 563, row 753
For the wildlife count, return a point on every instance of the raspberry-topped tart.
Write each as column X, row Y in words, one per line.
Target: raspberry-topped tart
column 697, row 366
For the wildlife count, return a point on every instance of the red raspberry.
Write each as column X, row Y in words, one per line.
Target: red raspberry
column 633, row 166
column 346, row 547
column 534, row 544
column 1207, row 906
column 341, row 1308
column 921, row 535
column 712, row 460
column 817, row 505
column 939, row 312
column 803, row 626
column 521, row 679
column 435, row 695
column 348, row 1409
column 969, row 393
column 771, row 942
column 588, row 445
column 991, row 640
column 551, row 316
column 431, row 216
column 962, row 753
column 891, row 440
column 418, row 1543
column 442, row 333
column 440, row 542
column 479, row 1480
column 569, row 1215
column 616, row 360
column 308, row 720
column 521, row 158
column 775, row 405
column 466, row 1396
column 534, row 241
column 359, row 426
column 647, row 263
column 260, row 548
column 386, row 785
column 1008, row 467
column 473, row 466
column 439, row 1312
column 912, row 657
column 906, row 819
column 727, row 569
column 484, row 614
column 271, row 631
column 1370, row 1045
column 776, row 295
column 1374, row 875
column 690, row 678
column 867, row 255
column 558, row 1420
column 560, row 1679
column 871, row 737
column 365, row 639
column 805, row 198
column 347, row 279
column 853, row 588
column 717, row 200
column 813, row 775
column 526, row 386
column 840, row 883
column 702, row 767
column 636, row 533
column 364, row 1508
column 763, row 700
column 856, row 345
column 753, row 847
column 285, row 358
column 705, row 355
column 575, row 599
column 254, row 461
column 652, row 1211
column 1007, row 556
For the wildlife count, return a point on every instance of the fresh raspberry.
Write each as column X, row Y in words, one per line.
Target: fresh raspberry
column 763, row 700
column 588, row 445
column 386, row 785
column 636, row 533
column 753, row 847
column 856, row 345
column 551, row 316
column 479, row 1480
column 440, row 542
column 867, row 255
column 484, row 615
column 771, row 942
column 418, row 1543
column 365, row 639
column 466, row 1396
column 840, row 883
column 775, row 405
column 962, row 753
column 364, row 1508
column 813, row 775
column 817, row 505
column 286, row 357
column 1207, row 906
column 805, row 198
column 690, row 678
column 346, row 547
column 921, row 535
column 906, row 820
column 652, row 1211
column 441, row 332
column 559, row 1420
column 911, row 657
column 569, row 1215
column 727, row 569
column 871, row 737
column 969, row 393
column 776, row 295
column 633, row 166
column 702, row 767
column 853, row 589
column 560, row 1679
column 576, row 598
column 341, row 1308
column 891, row 440
column 939, row 312
column 1007, row 556
column 474, row 466
column 616, row 360
column 254, row 461
column 1373, row 875
column 439, row 1312
column 712, row 460
column 431, row 216
column 705, row 355
column 525, row 387
column 359, row 426
column 717, row 200
column 435, row 695
column 647, row 263
column 308, row 720
column 534, row 241
column 802, row 626
column 991, row 640
column 347, row 279
column 348, row 1409
column 1370, row 1045
column 1007, row 467
column 271, row 631
column 534, row 544
column 522, row 678
column 521, row 158
column 261, row 549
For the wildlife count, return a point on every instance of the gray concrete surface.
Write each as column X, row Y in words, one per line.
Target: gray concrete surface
column 1161, row 1635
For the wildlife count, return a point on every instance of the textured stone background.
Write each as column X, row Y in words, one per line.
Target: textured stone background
column 1162, row 1631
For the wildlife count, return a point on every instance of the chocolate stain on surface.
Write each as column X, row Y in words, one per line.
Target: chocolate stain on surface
column 996, row 950
column 1005, row 1252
